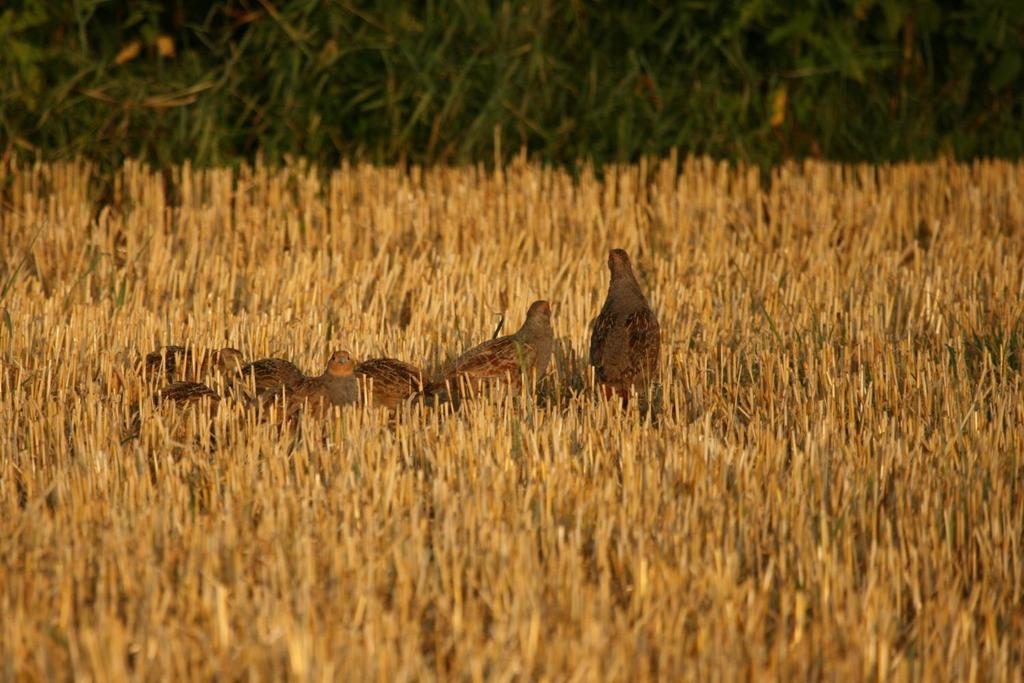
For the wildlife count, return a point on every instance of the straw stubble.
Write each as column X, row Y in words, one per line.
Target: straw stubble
column 831, row 486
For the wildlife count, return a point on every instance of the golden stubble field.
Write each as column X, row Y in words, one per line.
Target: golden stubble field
column 833, row 487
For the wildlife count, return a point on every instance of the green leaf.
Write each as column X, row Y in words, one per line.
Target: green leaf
column 1006, row 71
column 119, row 298
column 799, row 28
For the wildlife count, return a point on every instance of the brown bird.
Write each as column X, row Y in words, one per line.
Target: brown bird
column 181, row 394
column 267, row 374
column 186, row 393
column 179, row 362
column 389, row 381
column 337, row 386
column 626, row 339
column 500, row 360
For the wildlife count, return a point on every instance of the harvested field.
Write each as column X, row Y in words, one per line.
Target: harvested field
column 830, row 484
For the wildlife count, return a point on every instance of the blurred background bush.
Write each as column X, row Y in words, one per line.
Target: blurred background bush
column 394, row 81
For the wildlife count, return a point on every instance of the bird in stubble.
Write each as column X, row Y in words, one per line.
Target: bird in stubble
column 266, row 374
column 626, row 338
column 183, row 393
column 389, row 381
column 337, row 386
column 226, row 361
column 186, row 393
column 497, row 361
column 189, row 364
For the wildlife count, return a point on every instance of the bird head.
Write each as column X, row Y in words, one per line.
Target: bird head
column 618, row 262
column 539, row 310
column 340, row 364
column 229, row 359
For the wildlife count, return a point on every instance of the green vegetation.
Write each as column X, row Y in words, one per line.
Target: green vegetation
column 390, row 81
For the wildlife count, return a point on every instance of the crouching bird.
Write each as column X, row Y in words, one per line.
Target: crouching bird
column 336, row 386
column 505, row 360
column 183, row 363
column 267, row 374
column 389, row 381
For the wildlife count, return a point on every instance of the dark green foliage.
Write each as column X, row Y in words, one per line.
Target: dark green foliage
column 387, row 81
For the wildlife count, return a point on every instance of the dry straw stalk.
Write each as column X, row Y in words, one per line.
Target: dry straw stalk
column 832, row 488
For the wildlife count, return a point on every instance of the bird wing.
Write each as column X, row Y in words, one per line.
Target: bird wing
column 185, row 392
column 292, row 399
column 622, row 347
column 602, row 329
column 495, row 358
column 167, row 360
column 391, row 372
column 267, row 373
column 392, row 380
column 644, row 341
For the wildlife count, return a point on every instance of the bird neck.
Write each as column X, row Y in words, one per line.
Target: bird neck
column 530, row 330
column 341, row 388
column 624, row 285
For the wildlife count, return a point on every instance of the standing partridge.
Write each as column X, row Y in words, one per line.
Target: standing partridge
column 626, row 338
